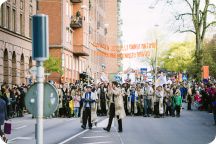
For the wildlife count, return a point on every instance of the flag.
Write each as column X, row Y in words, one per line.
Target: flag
column 161, row 81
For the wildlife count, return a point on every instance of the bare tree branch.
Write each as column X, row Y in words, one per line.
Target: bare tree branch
column 203, row 20
column 180, row 16
column 183, row 31
column 210, row 24
column 189, row 4
column 212, row 12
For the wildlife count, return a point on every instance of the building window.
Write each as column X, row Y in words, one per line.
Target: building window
column 77, row 64
column 8, row 17
column 63, row 60
column 14, row 20
column 70, row 37
column 73, row 63
column 21, row 4
column 30, row 27
column 67, row 9
column 70, row 13
column 1, row 16
column 67, row 35
column 21, row 23
column 30, row 9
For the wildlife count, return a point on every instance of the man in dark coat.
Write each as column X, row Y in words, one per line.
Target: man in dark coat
column 3, row 116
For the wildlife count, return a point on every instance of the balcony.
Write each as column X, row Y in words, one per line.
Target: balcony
column 80, row 50
column 76, row 23
column 76, row 1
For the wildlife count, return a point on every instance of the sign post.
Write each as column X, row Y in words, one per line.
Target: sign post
column 40, row 53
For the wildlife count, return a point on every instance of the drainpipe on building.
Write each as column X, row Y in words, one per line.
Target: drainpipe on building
column 62, row 43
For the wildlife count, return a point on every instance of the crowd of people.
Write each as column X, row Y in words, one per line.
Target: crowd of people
column 138, row 99
column 14, row 98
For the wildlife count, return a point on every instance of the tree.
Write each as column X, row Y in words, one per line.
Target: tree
column 209, row 59
column 178, row 57
column 198, row 13
column 53, row 65
column 209, row 54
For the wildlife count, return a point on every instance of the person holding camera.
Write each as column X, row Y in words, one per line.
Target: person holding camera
column 116, row 106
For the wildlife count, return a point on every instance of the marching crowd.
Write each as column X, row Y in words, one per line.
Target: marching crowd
column 138, row 99
column 102, row 99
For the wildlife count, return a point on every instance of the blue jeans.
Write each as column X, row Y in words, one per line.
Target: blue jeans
column 76, row 111
column 147, row 106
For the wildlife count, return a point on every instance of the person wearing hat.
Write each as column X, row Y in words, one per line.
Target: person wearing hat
column 159, row 95
column 88, row 99
column 178, row 102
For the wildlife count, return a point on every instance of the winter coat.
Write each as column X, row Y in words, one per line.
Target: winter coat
column 93, row 106
column 178, row 100
column 135, row 101
column 119, row 104
column 3, row 111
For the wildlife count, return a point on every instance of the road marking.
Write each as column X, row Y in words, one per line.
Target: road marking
column 67, row 140
column 119, row 136
column 20, row 138
column 106, row 142
column 97, row 131
column 94, row 137
column 104, row 123
column 20, row 127
column 17, row 122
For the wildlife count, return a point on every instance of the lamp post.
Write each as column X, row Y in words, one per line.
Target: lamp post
column 156, row 51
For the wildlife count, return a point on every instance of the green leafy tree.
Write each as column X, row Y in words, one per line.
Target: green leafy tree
column 178, row 57
column 53, row 65
column 209, row 56
column 209, row 59
column 195, row 18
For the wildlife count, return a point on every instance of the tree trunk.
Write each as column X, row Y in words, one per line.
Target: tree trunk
column 199, row 54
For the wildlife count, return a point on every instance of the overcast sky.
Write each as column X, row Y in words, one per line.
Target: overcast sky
column 146, row 21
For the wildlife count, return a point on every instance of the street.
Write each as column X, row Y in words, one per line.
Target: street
column 193, row 127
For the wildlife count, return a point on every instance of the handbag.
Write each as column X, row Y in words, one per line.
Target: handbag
column 7, row 128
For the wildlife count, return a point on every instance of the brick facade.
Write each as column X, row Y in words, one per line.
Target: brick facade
column 15, row 41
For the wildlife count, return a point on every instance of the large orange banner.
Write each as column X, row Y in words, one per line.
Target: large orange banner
column 124, row 51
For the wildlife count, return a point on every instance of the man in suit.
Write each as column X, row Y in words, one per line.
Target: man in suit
column 116, row 107
column 3, row 117
column 88, row 98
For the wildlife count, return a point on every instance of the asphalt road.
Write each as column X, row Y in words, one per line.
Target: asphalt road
column 193, row 127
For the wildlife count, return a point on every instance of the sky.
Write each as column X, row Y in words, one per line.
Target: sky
column 148, row 20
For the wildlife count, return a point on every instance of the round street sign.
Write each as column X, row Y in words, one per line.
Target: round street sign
column 51, row 99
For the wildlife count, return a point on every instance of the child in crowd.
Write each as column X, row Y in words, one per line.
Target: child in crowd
column 76, row 99
column 197, row 100
column 178, row 102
